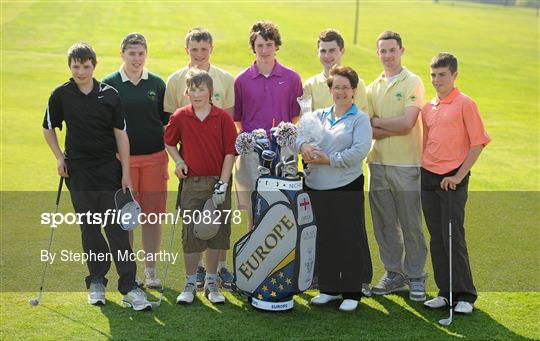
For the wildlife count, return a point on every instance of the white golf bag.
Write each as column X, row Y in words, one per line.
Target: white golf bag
column 275, row 260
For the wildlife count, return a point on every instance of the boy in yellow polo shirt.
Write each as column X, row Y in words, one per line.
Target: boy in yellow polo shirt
column 454, row 137
column 330, row 49
column 395, row 99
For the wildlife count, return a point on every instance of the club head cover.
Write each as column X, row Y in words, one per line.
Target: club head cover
column 208, row 226
column 128, row 209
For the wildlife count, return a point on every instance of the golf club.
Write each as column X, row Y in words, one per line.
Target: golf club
column 34, row 301
column 277, row 168
column 290, row 171
column 169, row 248
column 263, row 170
column 264, row 143
column 259, row 150
column 448, row 321
column 268, row 156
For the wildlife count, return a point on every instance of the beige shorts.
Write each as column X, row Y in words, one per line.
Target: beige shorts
column 196, row 190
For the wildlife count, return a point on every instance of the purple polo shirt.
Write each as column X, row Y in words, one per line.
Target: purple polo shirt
column 260, row 101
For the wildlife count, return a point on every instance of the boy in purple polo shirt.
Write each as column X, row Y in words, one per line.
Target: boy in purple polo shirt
column 265, row 94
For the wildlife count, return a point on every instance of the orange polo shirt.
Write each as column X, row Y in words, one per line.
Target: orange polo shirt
column 451, row 127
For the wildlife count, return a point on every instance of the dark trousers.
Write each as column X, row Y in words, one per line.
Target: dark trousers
column 343, row 257
column 92, row 190
column 436, row 205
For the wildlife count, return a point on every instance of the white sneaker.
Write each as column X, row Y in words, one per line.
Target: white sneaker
column 437, row 302
column 464, row 307
column 136, row 299
column 151, row 281
column 417, row 289
column 366, row 290
column 321, row 299
column 96, row 294
column 212, row 293
column 188, row 295
column 348, row 305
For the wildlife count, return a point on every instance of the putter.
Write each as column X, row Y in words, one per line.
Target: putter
column 448, row 321
column 171, row 239
column 34, row 301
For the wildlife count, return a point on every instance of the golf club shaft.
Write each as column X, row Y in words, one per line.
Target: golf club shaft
column 171, row 238
column 59, row 192
column 450, row 245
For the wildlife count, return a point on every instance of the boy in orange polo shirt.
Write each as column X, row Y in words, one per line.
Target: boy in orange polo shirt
column 454, row 137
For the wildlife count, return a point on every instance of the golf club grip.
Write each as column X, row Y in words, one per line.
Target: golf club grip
column 59, row 190
column 180, row 185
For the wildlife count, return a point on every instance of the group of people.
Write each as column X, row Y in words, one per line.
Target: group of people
column 119, row 131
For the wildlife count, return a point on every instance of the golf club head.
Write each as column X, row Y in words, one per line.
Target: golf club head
column 34, row 301
column 290, row 171
column 259, row 150
column 302, row 173
column 263, row 170
column 268, row 156
column 445, row 322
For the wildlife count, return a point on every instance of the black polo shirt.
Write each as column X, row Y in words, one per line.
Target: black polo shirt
column 90, row 121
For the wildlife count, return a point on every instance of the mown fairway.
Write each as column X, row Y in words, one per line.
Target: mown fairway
column 499, row 66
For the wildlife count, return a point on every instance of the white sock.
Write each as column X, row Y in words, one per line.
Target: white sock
column 150, row 272
column 191, row 279
column 221, row 265
column 210, row 278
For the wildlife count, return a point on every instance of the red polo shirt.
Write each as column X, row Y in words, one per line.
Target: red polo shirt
column 204, row 143
column 451, row 127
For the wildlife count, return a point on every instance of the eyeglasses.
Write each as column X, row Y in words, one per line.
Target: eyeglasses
column 339, row 88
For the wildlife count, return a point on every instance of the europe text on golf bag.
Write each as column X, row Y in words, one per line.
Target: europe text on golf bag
column 275, row 260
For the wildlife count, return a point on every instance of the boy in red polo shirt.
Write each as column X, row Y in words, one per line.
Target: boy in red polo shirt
column 454, row 137
column 207, row 135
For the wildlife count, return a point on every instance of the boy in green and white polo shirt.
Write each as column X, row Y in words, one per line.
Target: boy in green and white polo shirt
column 142, row 94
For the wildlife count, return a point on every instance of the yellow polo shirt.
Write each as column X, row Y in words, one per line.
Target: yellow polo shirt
column 390, row 100
column 317, row 88
column 175, row 93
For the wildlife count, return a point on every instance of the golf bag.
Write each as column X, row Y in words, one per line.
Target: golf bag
column 275, row 260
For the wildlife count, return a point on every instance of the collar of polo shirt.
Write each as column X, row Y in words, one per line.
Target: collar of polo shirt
column 125, row 78
column 448, row 99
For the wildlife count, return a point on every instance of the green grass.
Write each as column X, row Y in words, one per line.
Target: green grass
column 499, row 67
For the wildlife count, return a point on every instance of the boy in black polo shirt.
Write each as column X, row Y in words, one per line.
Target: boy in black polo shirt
column 95, row 125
